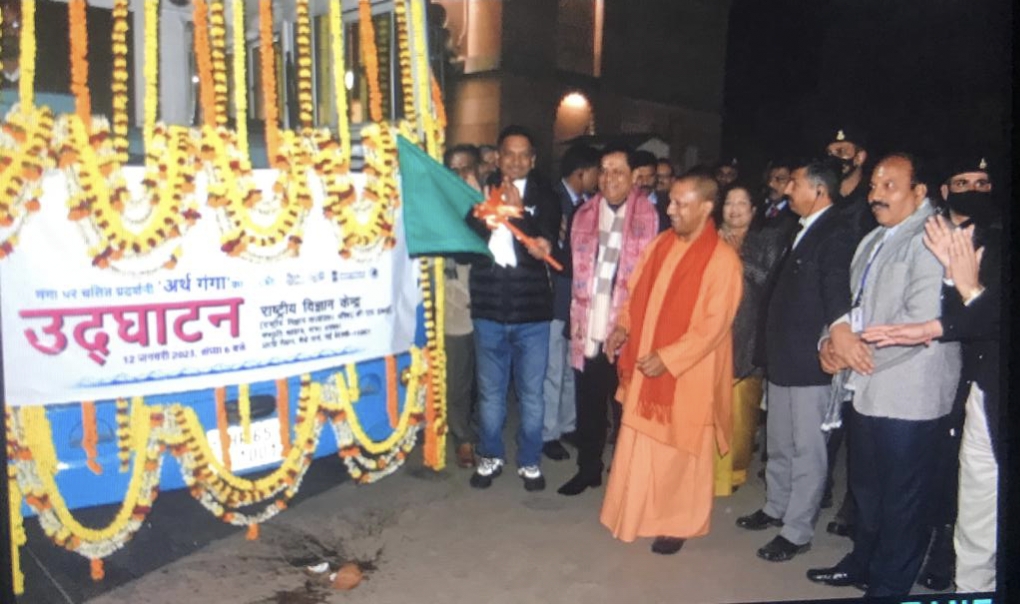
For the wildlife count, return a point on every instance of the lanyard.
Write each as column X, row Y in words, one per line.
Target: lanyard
column 864, row 275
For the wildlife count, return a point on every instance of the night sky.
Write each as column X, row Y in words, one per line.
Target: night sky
column 921, row 76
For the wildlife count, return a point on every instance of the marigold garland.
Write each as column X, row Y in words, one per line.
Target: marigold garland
column 404, row 61
column 99, row 200
column 14, row 498
column 220, row 395
column 370, row 59
column 365, row 223
column 336, row 32
column 124, row 432
column 79, row 60
column 283, row 414
column 35, row 464
column 267, row 61
column 240, row 79
column 151, row 72
column 303, row 46
column 244, row 412
column 24, row 154
column 89, row 435
column 119, row 84
column 218, row 62
column 26, row 53
column 203, row 61
column 254, row 227
column 33, row 461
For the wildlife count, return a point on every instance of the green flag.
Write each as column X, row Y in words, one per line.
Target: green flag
column 435, row 201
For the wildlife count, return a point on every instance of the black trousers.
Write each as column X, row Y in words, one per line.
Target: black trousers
column 891, row 477
column 847, row 509
column 595, row 386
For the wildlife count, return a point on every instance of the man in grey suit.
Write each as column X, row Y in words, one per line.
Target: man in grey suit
column 899, row 392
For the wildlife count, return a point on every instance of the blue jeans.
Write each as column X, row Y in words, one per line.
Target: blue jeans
column 560, row 403
column 498, row 346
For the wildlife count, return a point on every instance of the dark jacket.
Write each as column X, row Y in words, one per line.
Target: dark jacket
column 811, row 291
column 561, row 249
column 977, row 328
column 758, row 254
column 856, row 211
column 520, row 294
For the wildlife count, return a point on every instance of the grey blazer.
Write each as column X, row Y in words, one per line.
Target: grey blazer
column 904, row 285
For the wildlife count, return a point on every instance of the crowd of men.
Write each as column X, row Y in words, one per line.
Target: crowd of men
column 855, row 307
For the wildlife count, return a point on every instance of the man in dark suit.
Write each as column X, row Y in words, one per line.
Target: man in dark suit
column 775, row 207
column 810, row 291
column 511, row 307
column 847, row 145
column 579, row 170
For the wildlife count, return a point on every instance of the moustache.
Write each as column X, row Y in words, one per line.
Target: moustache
column 878, row 204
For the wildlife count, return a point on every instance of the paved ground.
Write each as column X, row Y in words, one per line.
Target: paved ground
column 429, row 537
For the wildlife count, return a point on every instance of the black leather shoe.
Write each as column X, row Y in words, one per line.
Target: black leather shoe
column 758, row 521
column 838, row 527
column 935, row 582
column 834, row 577
column 937, row 572
column 555, row 451
column 580, row 482
column 667, row 545
column 781, row 549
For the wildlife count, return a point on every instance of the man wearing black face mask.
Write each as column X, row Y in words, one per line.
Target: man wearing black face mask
column 967, row 192
column 847, row 145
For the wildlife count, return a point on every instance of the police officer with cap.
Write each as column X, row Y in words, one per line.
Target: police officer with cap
column 967, row 191
column 847, row 146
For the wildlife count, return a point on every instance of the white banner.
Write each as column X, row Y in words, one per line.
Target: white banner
column 75, row 332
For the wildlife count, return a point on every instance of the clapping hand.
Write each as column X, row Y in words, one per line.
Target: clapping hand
column 937, row 238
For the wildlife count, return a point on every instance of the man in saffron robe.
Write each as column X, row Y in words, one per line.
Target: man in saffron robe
column 673, row 338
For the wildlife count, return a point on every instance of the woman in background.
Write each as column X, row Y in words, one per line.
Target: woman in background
column 759, row 249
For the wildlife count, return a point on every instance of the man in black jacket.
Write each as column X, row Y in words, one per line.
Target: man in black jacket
column 579, row 170
column 810, row 291
column 847, row 145
column 511, row 307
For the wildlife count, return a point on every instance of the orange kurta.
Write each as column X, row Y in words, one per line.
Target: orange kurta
column 658, row 467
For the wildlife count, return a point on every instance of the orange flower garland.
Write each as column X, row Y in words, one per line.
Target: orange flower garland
column 218, row 39
column 370, row 58
column 303, row 43
column 207, row 93
column 119, row 85
column 79, row 61
column 404, row 61
column 89, row 436
column 283, row 414
column 267, row 60
column 221, row 425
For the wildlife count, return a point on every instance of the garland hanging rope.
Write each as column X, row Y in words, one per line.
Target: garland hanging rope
column 79, row 61
column 239, row 74
column 267, row 63
column 151, row 72
column 218, row 59
column 119, row 83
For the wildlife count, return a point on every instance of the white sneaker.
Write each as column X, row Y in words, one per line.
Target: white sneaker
column 533, row 479
column 488, row 468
